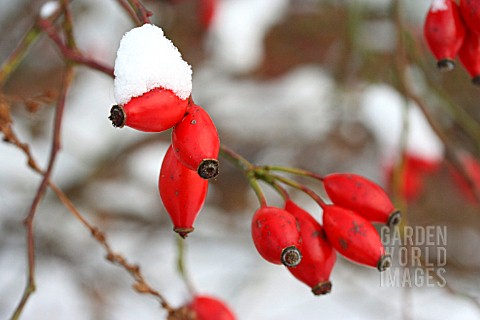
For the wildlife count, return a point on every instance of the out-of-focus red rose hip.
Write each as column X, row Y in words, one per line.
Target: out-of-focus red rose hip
column 354, row 237
column 318, row 255
column 196, row 143
column 276, row 236
column 155, row 111
column 182, row 192
column 361, row 195
column 444, row 32
column 470, row 10
column 469, row 55
column 210, row 308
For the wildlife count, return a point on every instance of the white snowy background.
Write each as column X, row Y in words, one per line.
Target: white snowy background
column 276, row 121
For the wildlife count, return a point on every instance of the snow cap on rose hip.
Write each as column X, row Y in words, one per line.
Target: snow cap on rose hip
column 146, row 60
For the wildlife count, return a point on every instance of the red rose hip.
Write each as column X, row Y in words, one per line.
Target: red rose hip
column 318, row 256
column 361, row 195
column 276, row 236
column 196, row 143
column 354, row 237
column 469, row 55
column 210, row 308
column 155, row 111
column 470, row 10
column 444, row 32
column 182, row 192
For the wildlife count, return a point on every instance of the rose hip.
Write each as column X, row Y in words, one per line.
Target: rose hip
column 470, row 10
column 276, row 236
column 182, row 192
column 209, row 308
column 469, row 55
column 318, row 255
column 444, row 32
column 196, row 143
column 354, row 237
column 155, row 111
column 361, row 195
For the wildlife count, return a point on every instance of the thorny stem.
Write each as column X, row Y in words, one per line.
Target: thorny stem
column 56, row 144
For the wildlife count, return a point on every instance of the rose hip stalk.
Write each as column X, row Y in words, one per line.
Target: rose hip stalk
column 354, row 237
column 444, row 32
column 361, row 195
column 154, row 111
column 469, row 55
column 196, row 143
column 276, row 236
column 318, row 255
column 182, row 192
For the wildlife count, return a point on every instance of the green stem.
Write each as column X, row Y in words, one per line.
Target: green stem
column 248, row 168
column 300, row 187
column 295, row 171
column 181, row 265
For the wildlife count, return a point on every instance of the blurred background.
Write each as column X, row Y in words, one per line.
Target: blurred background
column 304, row 83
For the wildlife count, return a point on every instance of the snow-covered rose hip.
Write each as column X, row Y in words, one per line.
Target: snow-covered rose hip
column 196, row 143
column 182, row 192
column 152, row 83
column 444, row 32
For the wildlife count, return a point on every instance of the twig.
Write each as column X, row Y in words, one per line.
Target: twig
column 72, row 54
column 56, row 144
column 140, row 285
column 142, row 13
column 126, row 6
column 181, row 252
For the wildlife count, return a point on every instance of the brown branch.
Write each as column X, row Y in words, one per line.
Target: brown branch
column 56, row 144
column 140, row 285
column 73, row 54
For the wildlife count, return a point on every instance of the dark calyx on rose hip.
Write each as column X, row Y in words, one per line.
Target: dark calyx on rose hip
column 117, row 116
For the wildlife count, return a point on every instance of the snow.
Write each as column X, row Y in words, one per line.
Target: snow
column 438, row 5
column 383, row 109
column 146, row 59
column 48, row 9
column 239, row 29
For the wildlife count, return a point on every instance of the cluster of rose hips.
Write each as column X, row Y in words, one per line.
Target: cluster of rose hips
column 452, row 30
column 294, row 238
column 192, row 157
